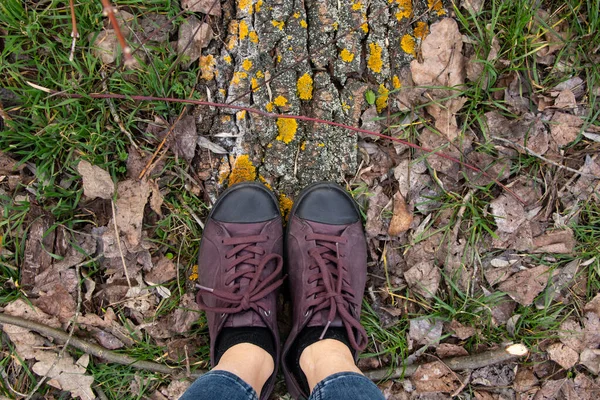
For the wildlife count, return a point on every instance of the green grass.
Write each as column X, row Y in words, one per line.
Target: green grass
column 51, row 135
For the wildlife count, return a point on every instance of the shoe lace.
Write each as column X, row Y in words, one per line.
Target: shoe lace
column 333, row 290
column 248, row 260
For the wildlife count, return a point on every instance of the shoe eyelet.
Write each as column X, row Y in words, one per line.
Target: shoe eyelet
column 267, row 313
column 223, row 315
column 307, row 313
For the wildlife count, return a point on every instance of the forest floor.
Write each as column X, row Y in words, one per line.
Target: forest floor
column 468, row 134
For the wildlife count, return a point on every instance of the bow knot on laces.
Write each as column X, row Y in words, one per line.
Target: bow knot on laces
column 333, row 291
column 248, row 262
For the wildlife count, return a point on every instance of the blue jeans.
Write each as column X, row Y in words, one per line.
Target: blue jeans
column 223, row 385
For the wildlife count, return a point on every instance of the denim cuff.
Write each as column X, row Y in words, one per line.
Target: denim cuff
column 220, row 384
column 346, row 385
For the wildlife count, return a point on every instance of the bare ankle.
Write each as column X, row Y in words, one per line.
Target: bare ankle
column 324, row 358
column 249, row 362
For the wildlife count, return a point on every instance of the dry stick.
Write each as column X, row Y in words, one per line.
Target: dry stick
column 114, row 213
column 296, row 117
column 73, row 322
column 533, row 153
column 86, row 347
column 74, row 32
column 456, row 364
column 109, row 11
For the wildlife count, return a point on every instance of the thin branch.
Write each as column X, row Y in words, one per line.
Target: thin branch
column 109, row 11
column 90, row 348
column 74, row 31
column 480, row 360
column 291, row 116
column 533, row 153
column 113, row 112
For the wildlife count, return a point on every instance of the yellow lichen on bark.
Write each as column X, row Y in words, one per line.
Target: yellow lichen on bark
column 238, row 76
column 303, row 24
column 405, row 9
column 278, row 24
column 254, row 84
column 287, row 128
column 285, row 205
column 408, row 44
column 421, row 30
column 245, row 5
column 227, row 59
column 305, row 87
column 253, row 37
column 382, row 100
column 375, row 63
column 207, row 66
column 247, row 64
column 280, row 101
column 396, row 82
column 437, row 6
column 269, row 106
column 258, row 5
column 243, row 170
column 346, row 55
column 243, row 30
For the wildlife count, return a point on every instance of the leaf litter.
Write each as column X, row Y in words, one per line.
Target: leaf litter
column 402, row 211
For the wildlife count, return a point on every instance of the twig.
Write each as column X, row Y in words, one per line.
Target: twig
column 118, row 238
column 533, row 153
column 73, row 322
column 161, row 144
column 290, row 116
column 113, row 112
column 74, row 32
column 109, row 11
column 481, row 360
column 7, row 382
column 90, row 348
column 475, row 361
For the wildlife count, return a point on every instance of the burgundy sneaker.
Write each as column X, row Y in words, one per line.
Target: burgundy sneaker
column 326, row 256
column 240, row 268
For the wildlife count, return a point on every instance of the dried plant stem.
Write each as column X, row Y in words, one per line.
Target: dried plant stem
column 296, row 117
column 74, row 31
column 113, row 112
column 109, row 11
column 118, row 238
column 480, row 360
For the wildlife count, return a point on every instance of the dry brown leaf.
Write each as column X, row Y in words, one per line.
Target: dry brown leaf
column 500, row 375
column 210, row 7
column 131, row 200
column 571, row 334
column 444, row 114
column 524, row 286
column 473, row 6
column 156, row 200
column 424, row 331
column 96, row 181
column 57, row 301
column 374, row 226
column 163, row 271
column 402, row 218
column 424, row 278
column 525, row 379
column 590, row 358
column 459, row 330
column 565, row 128
column 591, row 324
column 67, row 375
column 443, row 63
column 447, row 350
column 565, row 99
column 105, row 45
column 563, row 355
column 560, row 241
column 194, row 35
column 593, row 305
column 8, row 166
column 549, row 390
column 508, row 212
column 185, row 136
column 435, row 377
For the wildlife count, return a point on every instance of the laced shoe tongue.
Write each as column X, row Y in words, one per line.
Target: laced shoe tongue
column 248, row 317
column 320, row 318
